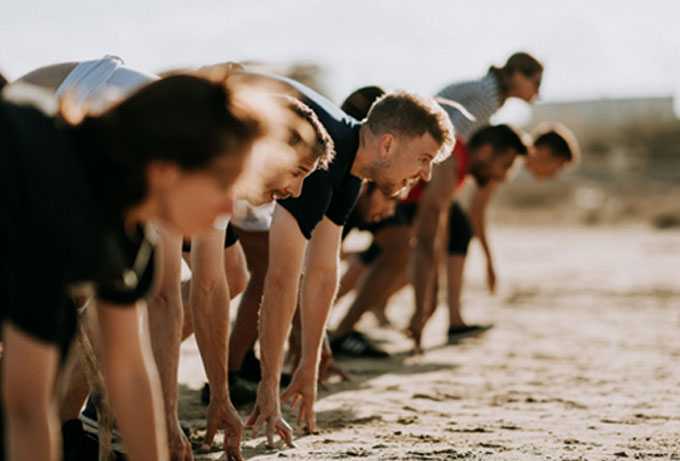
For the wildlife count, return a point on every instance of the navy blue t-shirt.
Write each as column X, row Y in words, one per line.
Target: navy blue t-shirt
column 333, row 192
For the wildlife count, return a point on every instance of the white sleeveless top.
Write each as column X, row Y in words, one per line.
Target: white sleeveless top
column 102, row 81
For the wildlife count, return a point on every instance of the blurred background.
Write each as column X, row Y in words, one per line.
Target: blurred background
column 612, row 72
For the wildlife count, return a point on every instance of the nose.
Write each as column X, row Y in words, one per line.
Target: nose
column 296, row 190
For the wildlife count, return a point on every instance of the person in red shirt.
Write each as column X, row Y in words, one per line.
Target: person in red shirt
column 488, row 156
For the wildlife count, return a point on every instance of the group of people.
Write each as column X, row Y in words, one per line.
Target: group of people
column 142, row 205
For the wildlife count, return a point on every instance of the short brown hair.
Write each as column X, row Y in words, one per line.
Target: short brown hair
column 404, row 113
column 323, row 148
column 559, row 139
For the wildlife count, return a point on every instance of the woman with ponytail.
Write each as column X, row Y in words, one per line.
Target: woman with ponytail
column 76, row 197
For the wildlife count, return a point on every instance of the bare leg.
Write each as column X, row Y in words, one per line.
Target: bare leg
column 375, row 287
column 351, row 277
column 256, row 248
column 455, row 269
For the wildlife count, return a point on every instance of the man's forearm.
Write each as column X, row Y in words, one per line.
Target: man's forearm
column 424, row 268
column 165, row 325
column 210, row 309
column 276, row 313
column 477, row 219
column 423, row 273
column 318, row 293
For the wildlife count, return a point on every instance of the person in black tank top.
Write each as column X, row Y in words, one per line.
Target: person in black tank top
column 397, row 143
column 93, row 186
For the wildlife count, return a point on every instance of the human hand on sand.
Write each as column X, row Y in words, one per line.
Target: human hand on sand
column 302, row 393
column 414, row 331
column 178, row 444
column 223, row 415
column 267, row 413
column 327, row 367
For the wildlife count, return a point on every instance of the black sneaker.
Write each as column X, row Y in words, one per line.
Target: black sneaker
column 72, row 434
column 251, row 370
column 241, row 391
column 458, row 333
column 356, row 345
column 91, row 425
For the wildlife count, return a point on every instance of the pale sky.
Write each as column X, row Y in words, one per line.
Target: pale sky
column 590, row 48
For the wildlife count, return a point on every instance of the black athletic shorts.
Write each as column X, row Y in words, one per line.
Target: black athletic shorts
column 403, row 216
column 230, row 239
column 460, row 230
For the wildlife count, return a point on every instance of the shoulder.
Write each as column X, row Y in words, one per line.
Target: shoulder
column 49, row 77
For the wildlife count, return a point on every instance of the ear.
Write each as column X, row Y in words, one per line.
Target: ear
column 386, row 145
column 162, row 175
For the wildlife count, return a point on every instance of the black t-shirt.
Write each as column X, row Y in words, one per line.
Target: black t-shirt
column 355, row 221
column 60, row 229
column 333, row 192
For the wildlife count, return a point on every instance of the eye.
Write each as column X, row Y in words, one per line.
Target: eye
column 294, row 139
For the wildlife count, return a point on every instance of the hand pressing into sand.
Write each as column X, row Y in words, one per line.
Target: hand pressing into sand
column 223, row 415
column 302, row 393
column 414, row 332
column 267, row 413
column 179, row 445
column 327, row 367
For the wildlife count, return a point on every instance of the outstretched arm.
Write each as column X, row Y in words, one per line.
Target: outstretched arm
column 132, row 381
column 209, row 301
column 480, row 203
column 319, row 285
column 430, row 225
column 286, row 253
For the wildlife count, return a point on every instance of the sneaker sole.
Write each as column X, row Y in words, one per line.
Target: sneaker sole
column 469, row 334
column 92, row 427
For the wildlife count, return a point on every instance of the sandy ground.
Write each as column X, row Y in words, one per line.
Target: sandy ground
column 580, row 366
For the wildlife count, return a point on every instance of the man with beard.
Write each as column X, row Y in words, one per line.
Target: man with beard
column 488, row 156
column 396, row 145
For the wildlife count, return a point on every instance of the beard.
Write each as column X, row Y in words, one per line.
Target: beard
column 376, row 173
column 479, row 173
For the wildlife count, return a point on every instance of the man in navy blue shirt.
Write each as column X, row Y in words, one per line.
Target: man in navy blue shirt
column 396, row 145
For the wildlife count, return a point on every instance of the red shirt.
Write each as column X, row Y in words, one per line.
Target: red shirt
column 462, row 156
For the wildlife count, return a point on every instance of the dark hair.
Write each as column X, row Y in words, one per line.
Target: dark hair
column 183, row 119
column 323, row 148
column 3, row 81
column 521, row 62
column 501, row 138
column 405, row 113
column 360, row 101
column 559, row 139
